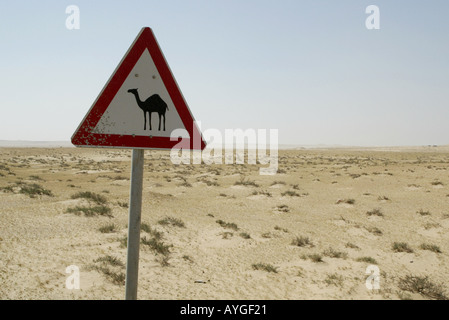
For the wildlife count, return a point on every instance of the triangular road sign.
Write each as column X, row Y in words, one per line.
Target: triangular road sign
column 140, row 105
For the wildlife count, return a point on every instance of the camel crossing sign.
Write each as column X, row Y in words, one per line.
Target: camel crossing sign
column 140, row 106
column 141, row 87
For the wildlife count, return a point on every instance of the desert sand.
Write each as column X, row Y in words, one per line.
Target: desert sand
column 224, row 231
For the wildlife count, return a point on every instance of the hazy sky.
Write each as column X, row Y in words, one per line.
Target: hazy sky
column 310, row 69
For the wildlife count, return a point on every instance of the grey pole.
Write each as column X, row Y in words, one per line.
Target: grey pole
column 135, row 207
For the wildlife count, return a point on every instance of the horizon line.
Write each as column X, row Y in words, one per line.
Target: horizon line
column 281, row 146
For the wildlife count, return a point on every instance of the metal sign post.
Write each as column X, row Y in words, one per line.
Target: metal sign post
column 135, row 208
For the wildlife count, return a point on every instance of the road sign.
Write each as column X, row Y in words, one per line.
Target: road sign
column 139, row 108
column 140, row 105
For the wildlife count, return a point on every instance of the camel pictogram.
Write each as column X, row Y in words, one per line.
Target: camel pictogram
column 152, row 104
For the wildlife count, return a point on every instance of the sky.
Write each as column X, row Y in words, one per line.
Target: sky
column 310, row 69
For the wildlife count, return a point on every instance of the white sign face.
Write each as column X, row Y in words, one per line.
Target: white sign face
column 142, row 97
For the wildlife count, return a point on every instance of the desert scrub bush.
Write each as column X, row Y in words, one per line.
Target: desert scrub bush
column 375, row 212
column 123, row 204
column 35, row 177
column 290, row 193
column 185, row 184
column 246, row 182
column 332, row 253
column 211, row 183
column 267, row 235
column 108, row 228
column 156, row 245
column 431, row 225
column 424, row 286
column 280, row 229
column 277, row 182
column 245, row 235
column 437, row 183
column 265, row 267
column 8, row 189
column 283, row 208
column 171, row 221
column 215, row 171
column 430, row 247
column 316, row 257
column 208, row 182
column 113, row 261
column 227, row 225
column 423, row 213
column 153, row 232
column 413, row 185
column 226, row 235
column 123, row 242
column 367, row 260
column 351, row 245
column 187, row 258
column 334, row 279
column 91, row 211
column 90, row 196
column 401, row 247
column 348, row 201
column 116, row 277
column 302, row 242
column 261, row 192
column 33, row 189
column 374, row 230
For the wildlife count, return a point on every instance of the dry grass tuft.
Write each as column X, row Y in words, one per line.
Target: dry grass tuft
column 424, row 286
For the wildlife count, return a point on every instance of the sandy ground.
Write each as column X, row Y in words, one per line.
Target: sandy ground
column 234, row 241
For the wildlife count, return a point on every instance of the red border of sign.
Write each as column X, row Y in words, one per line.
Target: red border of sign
column 84, row 137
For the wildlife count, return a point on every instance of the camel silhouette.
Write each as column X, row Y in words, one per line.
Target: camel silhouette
column 152, row 104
